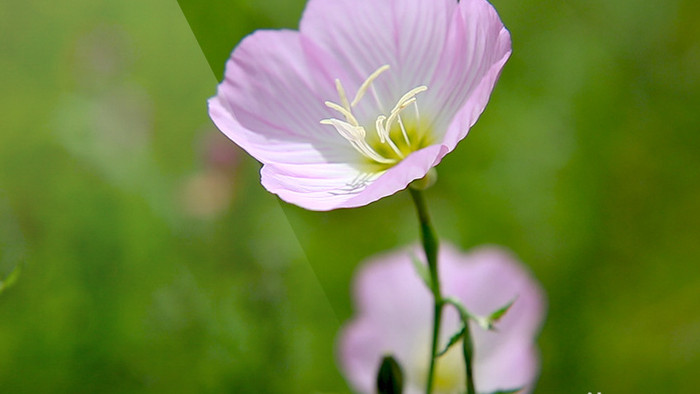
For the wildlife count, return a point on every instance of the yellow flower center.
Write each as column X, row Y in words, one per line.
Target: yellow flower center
column 449, row 372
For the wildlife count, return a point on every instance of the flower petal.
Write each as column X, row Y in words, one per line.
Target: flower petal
column 327, row 186
column 515, row 366
column 398, row 177
column 269, row 103
column 407, row 35
column 478, row 47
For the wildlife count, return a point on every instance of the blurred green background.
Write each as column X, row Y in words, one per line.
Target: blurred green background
column 153, row 261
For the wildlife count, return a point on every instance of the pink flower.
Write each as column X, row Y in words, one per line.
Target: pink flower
column 366, row 97
column 394, row 316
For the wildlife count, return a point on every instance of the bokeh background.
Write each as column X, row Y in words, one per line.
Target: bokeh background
column 153, row 261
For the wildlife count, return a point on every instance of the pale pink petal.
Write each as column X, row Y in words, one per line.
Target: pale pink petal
column 357, row 33
column 269, row 103
column 407, row 35
column 323, row 187
column 396, row 178
column 386, row 279
column 361, row 348
column 515, row 365
column 479, row 47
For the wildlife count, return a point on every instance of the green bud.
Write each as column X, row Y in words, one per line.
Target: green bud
column 389, row 377
column 428, row 180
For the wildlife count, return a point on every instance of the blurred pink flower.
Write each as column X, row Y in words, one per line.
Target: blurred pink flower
column 366, row 97
column 394, row 316
column 217, row 152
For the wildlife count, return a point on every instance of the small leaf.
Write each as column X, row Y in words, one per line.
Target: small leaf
column 511, row 391
column 453, row 340
column 497, row 315
column 11, row 279
column 422, row 271
column 389, row 377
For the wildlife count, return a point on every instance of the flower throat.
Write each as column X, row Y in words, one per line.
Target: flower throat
column 395, row 137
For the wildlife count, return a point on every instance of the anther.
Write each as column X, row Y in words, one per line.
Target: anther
column 349, row 117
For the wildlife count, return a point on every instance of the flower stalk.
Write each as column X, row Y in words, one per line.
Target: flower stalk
column 431, row 245
column 467, row 344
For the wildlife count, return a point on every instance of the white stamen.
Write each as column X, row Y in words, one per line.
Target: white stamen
column 366, row 84
column 381, row 132
column 415, row 105
column 406, row 97
column 355, row 134
column 384, row 136
column 348, row 131
column 349, row 117
column 403, row 131
column 395, row 114
column 341, row 94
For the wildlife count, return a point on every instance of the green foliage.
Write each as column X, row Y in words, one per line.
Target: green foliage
column 10, row 279
column 500, row 312
column 422, row 271
column 454, row 339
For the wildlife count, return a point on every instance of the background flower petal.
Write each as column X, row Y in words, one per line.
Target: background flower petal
column 394, row 316
column 393, row 311
column 485, row 280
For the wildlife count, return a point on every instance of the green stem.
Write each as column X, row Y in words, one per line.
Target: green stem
column 467, row 345
column 468, row 352
column 430, row 245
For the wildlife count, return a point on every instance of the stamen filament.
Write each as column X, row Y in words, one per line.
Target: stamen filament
column 403, row 131
column 365, row 149
column 381, row 132
column 341, row 94
column 384, row 136
column 415, row 106
column 408, row 96
column 366, row 84
column 346, row 130
column 395, row 114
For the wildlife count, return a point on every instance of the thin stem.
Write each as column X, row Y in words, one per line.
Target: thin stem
column 467, row 345
column 430, row 245
column 468, row 351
